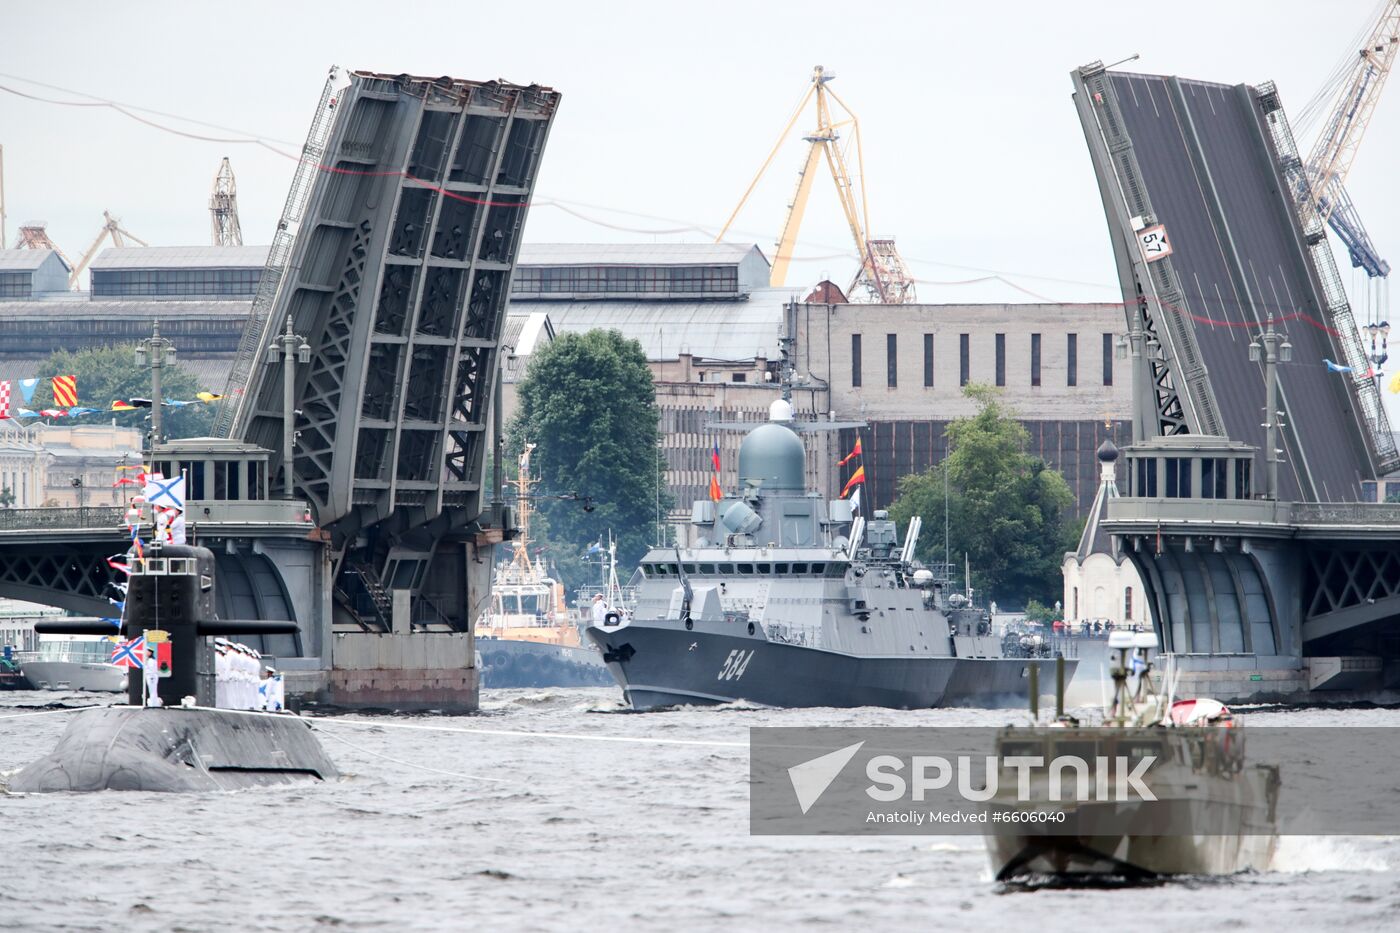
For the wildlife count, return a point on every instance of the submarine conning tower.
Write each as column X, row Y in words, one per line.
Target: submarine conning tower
column 171, row 590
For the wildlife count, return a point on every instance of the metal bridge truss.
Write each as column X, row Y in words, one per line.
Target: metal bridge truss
column 1184, row 400
column 1339, row 316
column 71, row 575
column 1345, row 588
column 397, row 271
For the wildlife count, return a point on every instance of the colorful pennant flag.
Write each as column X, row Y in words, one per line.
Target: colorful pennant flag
column 855, row 452
column 139, row 402
column 856, row 479
column 26, row 389
column 75, row 412
column 715, row 493
column 26, row 413
column 52, row 412
column 65, row 391
column 855, row 500
column 207, row 396
column 122, row 406
column 714, row 456
column 5, row 399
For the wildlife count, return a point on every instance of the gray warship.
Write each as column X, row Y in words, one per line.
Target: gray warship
column 788, row 600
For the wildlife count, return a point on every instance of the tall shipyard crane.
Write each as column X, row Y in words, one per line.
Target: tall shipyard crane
column 882, row 276
column 1358, row 89
column 223, row 208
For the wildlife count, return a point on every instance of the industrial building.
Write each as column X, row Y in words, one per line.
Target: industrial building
column 710, row 326
column 201, row 295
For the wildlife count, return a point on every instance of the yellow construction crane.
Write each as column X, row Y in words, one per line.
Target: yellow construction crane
column 223, row 208
column 111, row 227
column 883, row 276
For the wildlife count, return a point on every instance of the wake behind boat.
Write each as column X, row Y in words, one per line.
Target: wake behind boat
column 790, row 601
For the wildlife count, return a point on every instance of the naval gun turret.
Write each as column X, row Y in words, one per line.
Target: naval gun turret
column 179, row 743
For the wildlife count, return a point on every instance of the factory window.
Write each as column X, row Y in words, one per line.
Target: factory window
column 1368, row 491
column 1072, row 360
column 928, row 360
column 1178, row 477
column 1035, row 359
column 1001, row 359
column 175, row 283
column 1128, row 604
column 855, row 361
column 1108, row 359
column 566, row 280
column 964, row 360
column 737, row 377
column 891, row 360
column 16, row 284
column 1075, row 604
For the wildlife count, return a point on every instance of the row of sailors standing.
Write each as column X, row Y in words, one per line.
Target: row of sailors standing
column 241, row 682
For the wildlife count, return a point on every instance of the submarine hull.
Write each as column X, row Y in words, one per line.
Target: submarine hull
column 177, row 750
column 661, row 664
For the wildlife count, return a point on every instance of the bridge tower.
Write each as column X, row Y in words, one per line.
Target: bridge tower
column 394, row 256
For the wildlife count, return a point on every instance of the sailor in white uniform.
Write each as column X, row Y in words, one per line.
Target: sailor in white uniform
column 600, row 609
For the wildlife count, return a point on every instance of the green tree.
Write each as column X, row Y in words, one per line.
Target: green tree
column 1006, row 508
column 7, row 498
column 588, row 402
column 107, row 374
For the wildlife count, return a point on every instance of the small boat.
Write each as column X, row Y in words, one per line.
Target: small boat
column 73, row 662
column 1212, row 812
column 11, row 677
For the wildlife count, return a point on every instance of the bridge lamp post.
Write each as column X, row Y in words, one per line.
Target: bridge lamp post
column 155, row 353
column 288, row 349
column 1273, row 348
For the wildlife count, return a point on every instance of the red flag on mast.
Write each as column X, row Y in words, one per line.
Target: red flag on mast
column 855, row 452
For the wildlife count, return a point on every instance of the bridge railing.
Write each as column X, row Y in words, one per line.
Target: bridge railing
column 1346, row 513
column 101, row 516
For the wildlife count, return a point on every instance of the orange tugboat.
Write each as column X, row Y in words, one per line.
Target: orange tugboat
column 527, row 638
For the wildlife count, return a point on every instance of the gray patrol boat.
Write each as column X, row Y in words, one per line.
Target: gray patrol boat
column 789, row 600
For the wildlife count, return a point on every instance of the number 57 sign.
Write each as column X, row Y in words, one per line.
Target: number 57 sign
column 1154, row 243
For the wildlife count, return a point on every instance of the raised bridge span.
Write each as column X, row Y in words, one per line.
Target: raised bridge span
column 1207, row 166
column 392, row 259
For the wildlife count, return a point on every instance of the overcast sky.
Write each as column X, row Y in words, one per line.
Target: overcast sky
column 974, row 155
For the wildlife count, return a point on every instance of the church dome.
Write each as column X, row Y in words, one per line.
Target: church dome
column 1107, row 452
column 772, row 457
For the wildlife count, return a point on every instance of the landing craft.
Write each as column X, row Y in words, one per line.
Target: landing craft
column 792, row 601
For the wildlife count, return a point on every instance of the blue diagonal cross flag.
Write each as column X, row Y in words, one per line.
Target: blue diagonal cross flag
column 169, row 493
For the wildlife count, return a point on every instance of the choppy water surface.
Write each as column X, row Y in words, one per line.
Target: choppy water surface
column 548, row 834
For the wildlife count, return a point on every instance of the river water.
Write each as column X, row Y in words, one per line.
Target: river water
column 511, row 833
